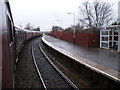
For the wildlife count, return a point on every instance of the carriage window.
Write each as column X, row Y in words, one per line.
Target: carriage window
column 10, row 34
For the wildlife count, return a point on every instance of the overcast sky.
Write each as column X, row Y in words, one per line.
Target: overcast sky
column 47, row 13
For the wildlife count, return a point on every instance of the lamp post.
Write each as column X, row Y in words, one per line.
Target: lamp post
column 60, row 22
column 60, row 30
column 73, row 25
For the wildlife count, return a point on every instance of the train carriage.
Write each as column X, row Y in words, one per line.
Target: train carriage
column 8, row 45
column 12, row 40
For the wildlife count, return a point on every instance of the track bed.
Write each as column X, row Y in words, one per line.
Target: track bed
column 50, row 76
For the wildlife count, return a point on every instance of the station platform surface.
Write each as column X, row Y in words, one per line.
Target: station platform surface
column 100, row 60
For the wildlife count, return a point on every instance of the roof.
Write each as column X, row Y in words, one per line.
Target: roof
column 112, row 27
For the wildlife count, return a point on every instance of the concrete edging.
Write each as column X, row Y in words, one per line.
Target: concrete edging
column 110, row 73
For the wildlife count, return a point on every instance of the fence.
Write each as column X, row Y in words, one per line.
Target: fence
column 82, row 39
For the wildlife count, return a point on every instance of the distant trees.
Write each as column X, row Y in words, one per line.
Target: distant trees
column 54, row 28
column 69, row 29
column 96, row 14
column 77, row 28
column 36, row 29
column 29, row 26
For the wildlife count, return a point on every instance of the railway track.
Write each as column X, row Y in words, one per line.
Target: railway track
column 49, row 74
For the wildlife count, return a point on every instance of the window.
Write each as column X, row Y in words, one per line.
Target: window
column 105, row 45
column 10, row 29
column 104, row 32
column 104, row 38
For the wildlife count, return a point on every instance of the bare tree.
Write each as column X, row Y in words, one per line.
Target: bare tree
column 28, row 26
column 96, row 14
column 36, row 29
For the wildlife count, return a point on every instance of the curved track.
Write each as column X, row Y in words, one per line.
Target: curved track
column 49, row 74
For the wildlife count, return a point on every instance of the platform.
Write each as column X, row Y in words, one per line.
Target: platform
column 100, row 60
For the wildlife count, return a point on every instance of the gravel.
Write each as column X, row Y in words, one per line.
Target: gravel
column 26, row 75
column 59, row 60
column 50, row 76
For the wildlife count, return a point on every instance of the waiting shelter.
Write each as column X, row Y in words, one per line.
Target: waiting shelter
column 110, row 37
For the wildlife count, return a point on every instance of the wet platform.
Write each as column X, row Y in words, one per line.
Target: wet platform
column 102, row 61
